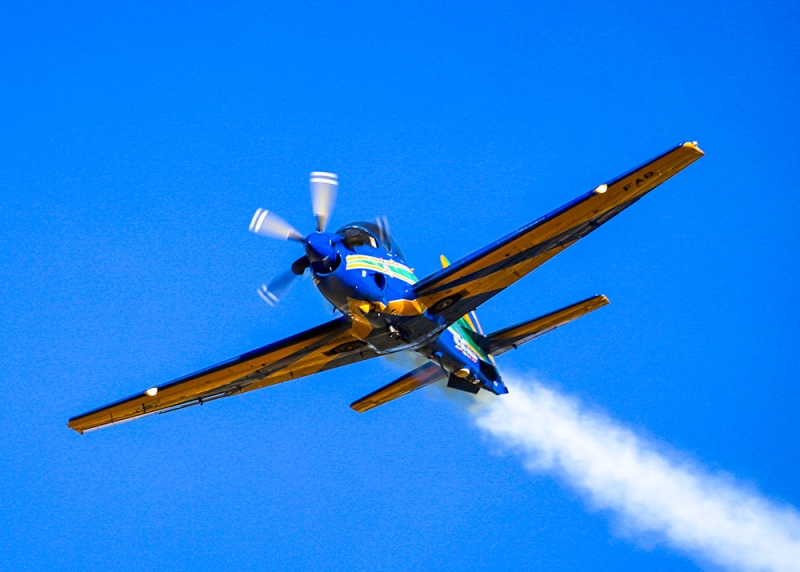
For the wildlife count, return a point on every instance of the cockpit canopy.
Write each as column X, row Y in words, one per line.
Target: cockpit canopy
column 372, row 235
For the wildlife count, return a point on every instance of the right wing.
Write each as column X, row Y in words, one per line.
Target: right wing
column 463, row 286
column 325, row 347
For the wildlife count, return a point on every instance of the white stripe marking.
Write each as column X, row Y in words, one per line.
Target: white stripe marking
column 261, row 220
column 253, row 222
column 267, row 296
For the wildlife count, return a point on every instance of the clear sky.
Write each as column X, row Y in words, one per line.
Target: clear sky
column 137, row 139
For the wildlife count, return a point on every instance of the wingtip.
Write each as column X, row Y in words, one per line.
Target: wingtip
column 693, row 145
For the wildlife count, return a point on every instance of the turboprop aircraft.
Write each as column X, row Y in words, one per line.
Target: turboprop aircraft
column 385, row 309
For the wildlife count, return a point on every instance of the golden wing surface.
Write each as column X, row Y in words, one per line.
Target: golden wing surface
column 321, row 348
column 467, row 283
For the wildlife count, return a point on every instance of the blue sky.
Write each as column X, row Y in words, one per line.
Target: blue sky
column 137, row 140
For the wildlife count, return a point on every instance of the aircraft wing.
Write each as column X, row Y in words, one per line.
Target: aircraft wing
column 466, row 284
column 321, row 348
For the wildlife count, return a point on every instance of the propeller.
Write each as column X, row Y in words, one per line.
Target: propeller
column 383, row 229
column 323, row 196
column 267, row 223
column 278, row 287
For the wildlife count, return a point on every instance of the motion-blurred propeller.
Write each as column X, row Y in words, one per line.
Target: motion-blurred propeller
column 383, row 229
column 267, row 223
column 323, row 196
column 278, row 288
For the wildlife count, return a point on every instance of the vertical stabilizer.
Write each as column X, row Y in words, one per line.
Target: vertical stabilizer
column 468, row 321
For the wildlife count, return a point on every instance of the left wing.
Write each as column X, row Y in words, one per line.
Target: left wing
column 322, row 348
column 466, row 284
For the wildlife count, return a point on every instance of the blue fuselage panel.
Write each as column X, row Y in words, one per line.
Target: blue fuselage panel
column 375, row 286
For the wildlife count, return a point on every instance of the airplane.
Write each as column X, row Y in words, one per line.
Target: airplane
column 385, row 309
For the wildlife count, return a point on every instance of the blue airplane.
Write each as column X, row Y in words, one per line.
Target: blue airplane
column 386, row 309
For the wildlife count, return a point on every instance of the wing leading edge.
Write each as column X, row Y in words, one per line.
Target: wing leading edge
column 324, row 347
column 463, row 286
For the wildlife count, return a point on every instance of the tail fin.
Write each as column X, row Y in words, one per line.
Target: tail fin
column 468, row 321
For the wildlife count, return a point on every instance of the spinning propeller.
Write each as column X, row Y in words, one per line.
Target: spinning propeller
column 318, row 247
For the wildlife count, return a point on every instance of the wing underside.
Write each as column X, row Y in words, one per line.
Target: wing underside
column 322, row 348
column 463, row 286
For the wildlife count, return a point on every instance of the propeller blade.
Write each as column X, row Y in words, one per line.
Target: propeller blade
column 383, row 229
column 385, row 235
column 278, row 288
column 267, row 223
column 299, row 266
column 323, row 197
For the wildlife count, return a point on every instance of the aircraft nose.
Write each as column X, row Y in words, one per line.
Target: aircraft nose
column 319, row 247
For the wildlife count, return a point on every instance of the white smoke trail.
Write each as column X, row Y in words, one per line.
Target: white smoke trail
column 694, row 511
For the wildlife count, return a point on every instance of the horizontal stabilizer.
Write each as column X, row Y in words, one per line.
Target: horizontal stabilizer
column 420, row 377
column 513, row 337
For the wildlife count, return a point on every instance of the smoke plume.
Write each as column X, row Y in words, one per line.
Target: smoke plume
column 651, row 492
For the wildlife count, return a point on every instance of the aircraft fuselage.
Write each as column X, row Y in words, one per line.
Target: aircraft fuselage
column 370, row 282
